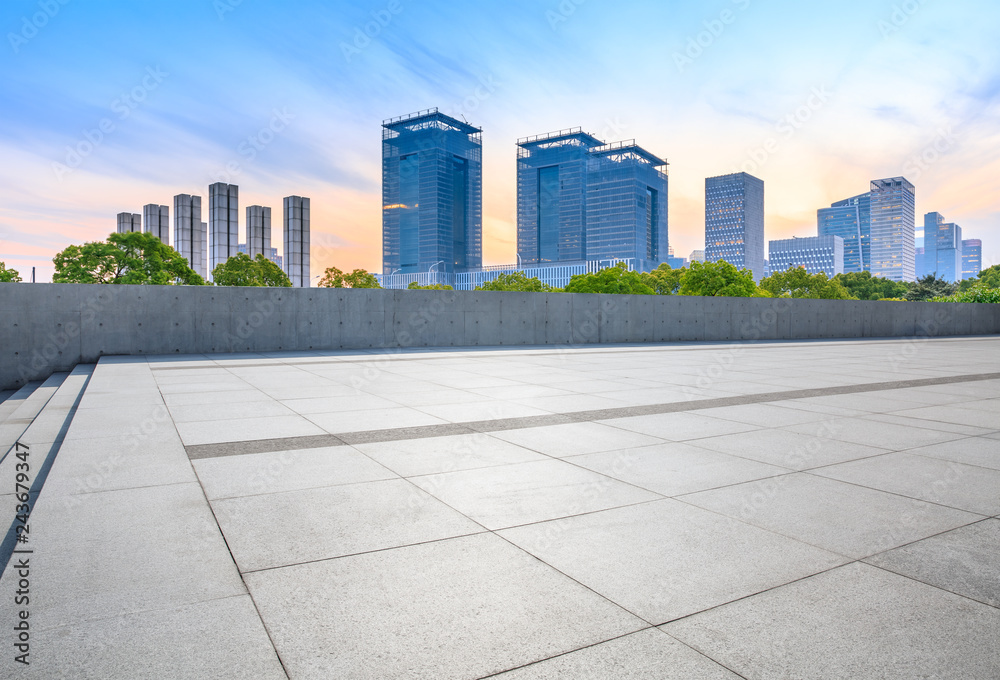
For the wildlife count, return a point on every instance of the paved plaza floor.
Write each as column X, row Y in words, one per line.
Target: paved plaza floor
column 824, row 509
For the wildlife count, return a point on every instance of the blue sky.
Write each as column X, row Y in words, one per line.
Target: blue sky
column 814, row 98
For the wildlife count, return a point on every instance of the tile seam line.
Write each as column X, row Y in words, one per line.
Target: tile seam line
column 476, row 351
column 487, row 426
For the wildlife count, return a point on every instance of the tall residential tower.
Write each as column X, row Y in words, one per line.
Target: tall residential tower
column 157, row 219
column 223, row 223
column 190, row 233
column 296, row 239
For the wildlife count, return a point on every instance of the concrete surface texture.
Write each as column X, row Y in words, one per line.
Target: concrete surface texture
column 821, row 509
column 71, row 324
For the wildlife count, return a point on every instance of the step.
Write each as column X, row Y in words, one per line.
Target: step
column 15, row 399
column 53, row 405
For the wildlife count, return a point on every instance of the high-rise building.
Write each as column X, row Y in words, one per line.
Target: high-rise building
column 734, row 221
column 258, row 231
column 552, row 196
column 190, row 233
column 432, row 194
column 893, row 250
column 157, row 219
column 627, row 205
column 129, row 222
column 581, row 199
column 972, row 258
column 815, row 254
column 942, row 248
column 697, row 256
column 296, row 240
column 919, row 263
column 223, row 222
column 850, row 219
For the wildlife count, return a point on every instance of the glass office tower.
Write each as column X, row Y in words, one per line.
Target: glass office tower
column 972, row 258
column 432, row 196
column 815, row 254
column 627, row 205
column 580, row 199
column 893, row 248
column 850, row 219
column 734, row 221
column 942, row 248
column 552, row 196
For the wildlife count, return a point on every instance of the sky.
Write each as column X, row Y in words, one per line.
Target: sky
column 107, row 106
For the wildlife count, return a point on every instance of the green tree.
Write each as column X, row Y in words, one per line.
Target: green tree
column 989, row 278
column 718, row 279
column 864, row 286
column 9, row 275
column 133, row 258
column 517, row 281
column 434, row 286
column 240, row 270
column 977, row 293
column 616, row 280
column 359, row 278
column 798, row 283
column 930, row 287
column 664, row 280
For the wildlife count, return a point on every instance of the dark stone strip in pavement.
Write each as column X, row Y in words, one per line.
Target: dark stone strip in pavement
column 501, row 424
column 318, row 441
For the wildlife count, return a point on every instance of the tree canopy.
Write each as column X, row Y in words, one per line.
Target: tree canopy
column 434, row 286
column 133, row 258
column 979, row 292
column 718, row 279
column 864, row 286
column 989, row 278
column 798, row 283
column 664, row 280
column 517, row 281
column 9, row 275
column 616, row 280
column 240, row 270
column 930, row 287
column 359, row 278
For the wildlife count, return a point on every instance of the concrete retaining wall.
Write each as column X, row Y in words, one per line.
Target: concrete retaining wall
column 51, row 327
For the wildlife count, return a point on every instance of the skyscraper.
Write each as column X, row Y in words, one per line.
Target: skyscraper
column 734, row 221
column 942, row 248
column 893, row 251
column 258, row 231
column 972, row 258
column 552, row 196
column 296, row 240
column 627, row 205
column 190, row 233
column 223, row 222
column 580, row 199
column 432, row 202
column 157, row 219
column 850, row 219
column 129, row 222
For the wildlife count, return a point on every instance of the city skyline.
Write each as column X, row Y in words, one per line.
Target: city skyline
column 300, row 111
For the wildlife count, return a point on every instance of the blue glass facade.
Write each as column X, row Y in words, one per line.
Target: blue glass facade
column 972, row 258
column 850, row 219
column 734, row 221
column 942, row 248
column 579, row 199
column 431, row 194
column 893, row 230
